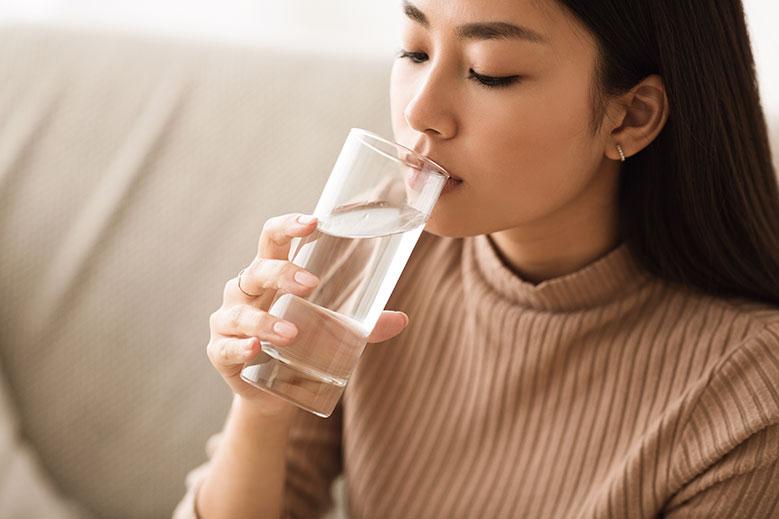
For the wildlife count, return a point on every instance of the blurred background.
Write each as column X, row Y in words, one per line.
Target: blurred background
column 342, row 26
column 142, row 145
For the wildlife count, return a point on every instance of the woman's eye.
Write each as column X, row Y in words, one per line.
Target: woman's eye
column 492, row 82
column 416, row 57
column 486, row 81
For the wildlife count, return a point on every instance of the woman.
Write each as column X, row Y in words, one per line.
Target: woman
column 595, row 307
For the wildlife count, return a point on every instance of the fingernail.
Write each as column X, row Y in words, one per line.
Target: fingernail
column 306, row 278
column 284, row 328
column 306, row 219
column 248, row 348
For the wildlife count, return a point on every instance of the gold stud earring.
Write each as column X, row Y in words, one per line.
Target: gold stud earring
column 621, row 153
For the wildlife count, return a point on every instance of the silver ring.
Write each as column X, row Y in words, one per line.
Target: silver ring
column 241, row 289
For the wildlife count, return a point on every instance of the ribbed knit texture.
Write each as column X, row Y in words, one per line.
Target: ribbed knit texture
column 602, row 393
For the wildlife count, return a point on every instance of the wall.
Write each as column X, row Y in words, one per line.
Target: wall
column 342, row 26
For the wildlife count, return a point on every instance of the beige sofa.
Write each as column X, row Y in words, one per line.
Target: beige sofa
column 135, row 175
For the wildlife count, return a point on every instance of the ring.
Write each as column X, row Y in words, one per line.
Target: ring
column 241, row 289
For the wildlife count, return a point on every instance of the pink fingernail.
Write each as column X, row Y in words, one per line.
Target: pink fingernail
column 306, row 219
column 306, row 278
column 284, row 328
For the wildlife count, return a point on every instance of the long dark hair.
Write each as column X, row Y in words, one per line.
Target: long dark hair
column 700, row 205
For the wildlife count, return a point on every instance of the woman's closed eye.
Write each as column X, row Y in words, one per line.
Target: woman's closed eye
column 487, row 81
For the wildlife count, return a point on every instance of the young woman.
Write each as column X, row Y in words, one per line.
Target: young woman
column 594, row 308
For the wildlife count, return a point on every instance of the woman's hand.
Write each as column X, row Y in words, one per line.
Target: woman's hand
column 242, row 321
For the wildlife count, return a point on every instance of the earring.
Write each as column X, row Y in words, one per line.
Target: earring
column 621, row 153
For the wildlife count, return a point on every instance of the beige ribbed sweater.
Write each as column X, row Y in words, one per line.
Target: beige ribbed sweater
column 602, row 393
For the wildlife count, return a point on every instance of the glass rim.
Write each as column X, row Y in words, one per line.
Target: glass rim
column 435, row 167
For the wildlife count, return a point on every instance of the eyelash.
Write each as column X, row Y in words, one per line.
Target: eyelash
column 486, row 81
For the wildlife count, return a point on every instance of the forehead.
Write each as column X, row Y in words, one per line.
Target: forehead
column 525, row 11
column 546, row 17
column 565, row 38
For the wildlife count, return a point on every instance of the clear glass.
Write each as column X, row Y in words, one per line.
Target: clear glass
column 370, row 215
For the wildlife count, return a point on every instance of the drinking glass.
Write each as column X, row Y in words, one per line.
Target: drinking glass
column 370, row 214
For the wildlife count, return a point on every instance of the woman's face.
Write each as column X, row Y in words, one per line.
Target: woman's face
column 523, row 146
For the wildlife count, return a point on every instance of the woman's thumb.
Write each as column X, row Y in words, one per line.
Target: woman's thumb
column 388, row 326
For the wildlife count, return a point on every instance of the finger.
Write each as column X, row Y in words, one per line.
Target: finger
column 260, row 281
column 247, row 321
column 278, row 231
column 388, row 326
column 227, row 352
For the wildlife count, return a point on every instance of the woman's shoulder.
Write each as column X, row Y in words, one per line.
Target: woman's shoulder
column 732, row 321
column 744, row 372
column 752, row 353
column 751, row 323
column 734, row 407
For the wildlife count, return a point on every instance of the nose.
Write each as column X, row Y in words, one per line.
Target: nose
column 429, row 110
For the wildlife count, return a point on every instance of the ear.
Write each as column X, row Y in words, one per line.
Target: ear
column 640, row 115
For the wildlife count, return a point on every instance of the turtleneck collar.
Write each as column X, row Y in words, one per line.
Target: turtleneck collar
column 597, row 283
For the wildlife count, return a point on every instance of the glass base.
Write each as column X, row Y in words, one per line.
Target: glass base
column 295, row 385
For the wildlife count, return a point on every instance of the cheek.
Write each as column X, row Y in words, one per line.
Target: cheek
column 539, row 152
column 399, row 96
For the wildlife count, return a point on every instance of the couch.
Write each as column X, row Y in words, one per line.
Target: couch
column 135, row 175
column 136, row 172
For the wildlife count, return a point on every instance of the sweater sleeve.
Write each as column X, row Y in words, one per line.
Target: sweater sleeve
column 313, row 463
column 314, row 460
column 728, row 453
column 744, row 484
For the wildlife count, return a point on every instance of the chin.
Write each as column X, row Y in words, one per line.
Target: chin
column 455, row 226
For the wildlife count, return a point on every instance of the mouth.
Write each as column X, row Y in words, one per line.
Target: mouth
column 451, row 184
column 454, row 179
column 415, row 178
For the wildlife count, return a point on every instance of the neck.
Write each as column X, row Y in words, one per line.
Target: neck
column 562, row 242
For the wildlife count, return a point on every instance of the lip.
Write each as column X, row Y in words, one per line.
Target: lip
column 414, row 176
column 451, row 185
column 438, row 162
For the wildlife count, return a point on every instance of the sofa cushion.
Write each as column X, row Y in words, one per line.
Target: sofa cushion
column 135, row 175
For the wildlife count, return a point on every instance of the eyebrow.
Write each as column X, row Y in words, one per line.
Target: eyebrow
column 480, row 30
